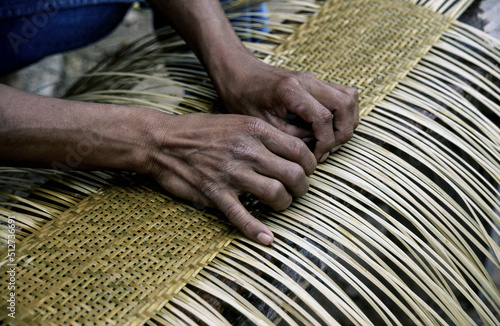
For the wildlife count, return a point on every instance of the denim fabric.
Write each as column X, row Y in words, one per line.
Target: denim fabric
column 33, row 29
column 19, row 8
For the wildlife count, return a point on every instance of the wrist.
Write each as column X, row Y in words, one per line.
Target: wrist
column 98, row 136
column 208, row 32
column 126, row 143
column 159, row 134
column 229, row 71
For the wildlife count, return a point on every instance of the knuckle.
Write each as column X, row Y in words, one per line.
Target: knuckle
column 298, row 107
column 222, row 167
column 325, row 115
column 210, row 189
column 273, row 191
column 289, row 84
column 255, row 126
column 304, row 156
column 225, row 173
column 296, row 176
column 353, row 92
column 307, row 75
column 241, row 150
column 299, row 148
column 349, row 102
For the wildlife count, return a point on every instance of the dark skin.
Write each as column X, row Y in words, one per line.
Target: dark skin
column 209, row 159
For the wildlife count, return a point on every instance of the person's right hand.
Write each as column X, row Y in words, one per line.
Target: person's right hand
column 209, row 159
column 212, row 159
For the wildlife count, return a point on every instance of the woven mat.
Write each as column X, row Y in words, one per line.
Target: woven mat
column 369, row 44
column 120, row 253
column 118, row 256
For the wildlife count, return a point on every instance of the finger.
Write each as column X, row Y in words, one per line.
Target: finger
column 180, row 188
column 352, row 99
column 344, row 103
column 336, row 148
column 346, row 115
column 328, row 93
column 341, row 87
column 289, row 174
column 341, row 100
column 268, row 190
column 288, row 128
column 312, row 111
column 251, row 227
column 290, row 148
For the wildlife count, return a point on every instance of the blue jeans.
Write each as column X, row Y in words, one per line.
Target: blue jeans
column 33, row 29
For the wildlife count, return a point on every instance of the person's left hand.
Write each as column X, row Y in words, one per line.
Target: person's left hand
column 331, row 111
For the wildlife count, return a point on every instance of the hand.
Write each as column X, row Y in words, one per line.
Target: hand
column 209, row 159
column 254, row 88
column 212, row 159
column 248, row 86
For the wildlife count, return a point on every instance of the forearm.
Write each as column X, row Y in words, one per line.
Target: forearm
column 46, row 132
column 208, row 32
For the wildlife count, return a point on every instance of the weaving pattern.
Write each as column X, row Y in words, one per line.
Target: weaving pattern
column 395, row 228
column 119, row 253
column 369, row 44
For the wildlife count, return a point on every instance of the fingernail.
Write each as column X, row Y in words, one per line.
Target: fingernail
column 336, row 148
column 264, row 238
column 324, row 157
